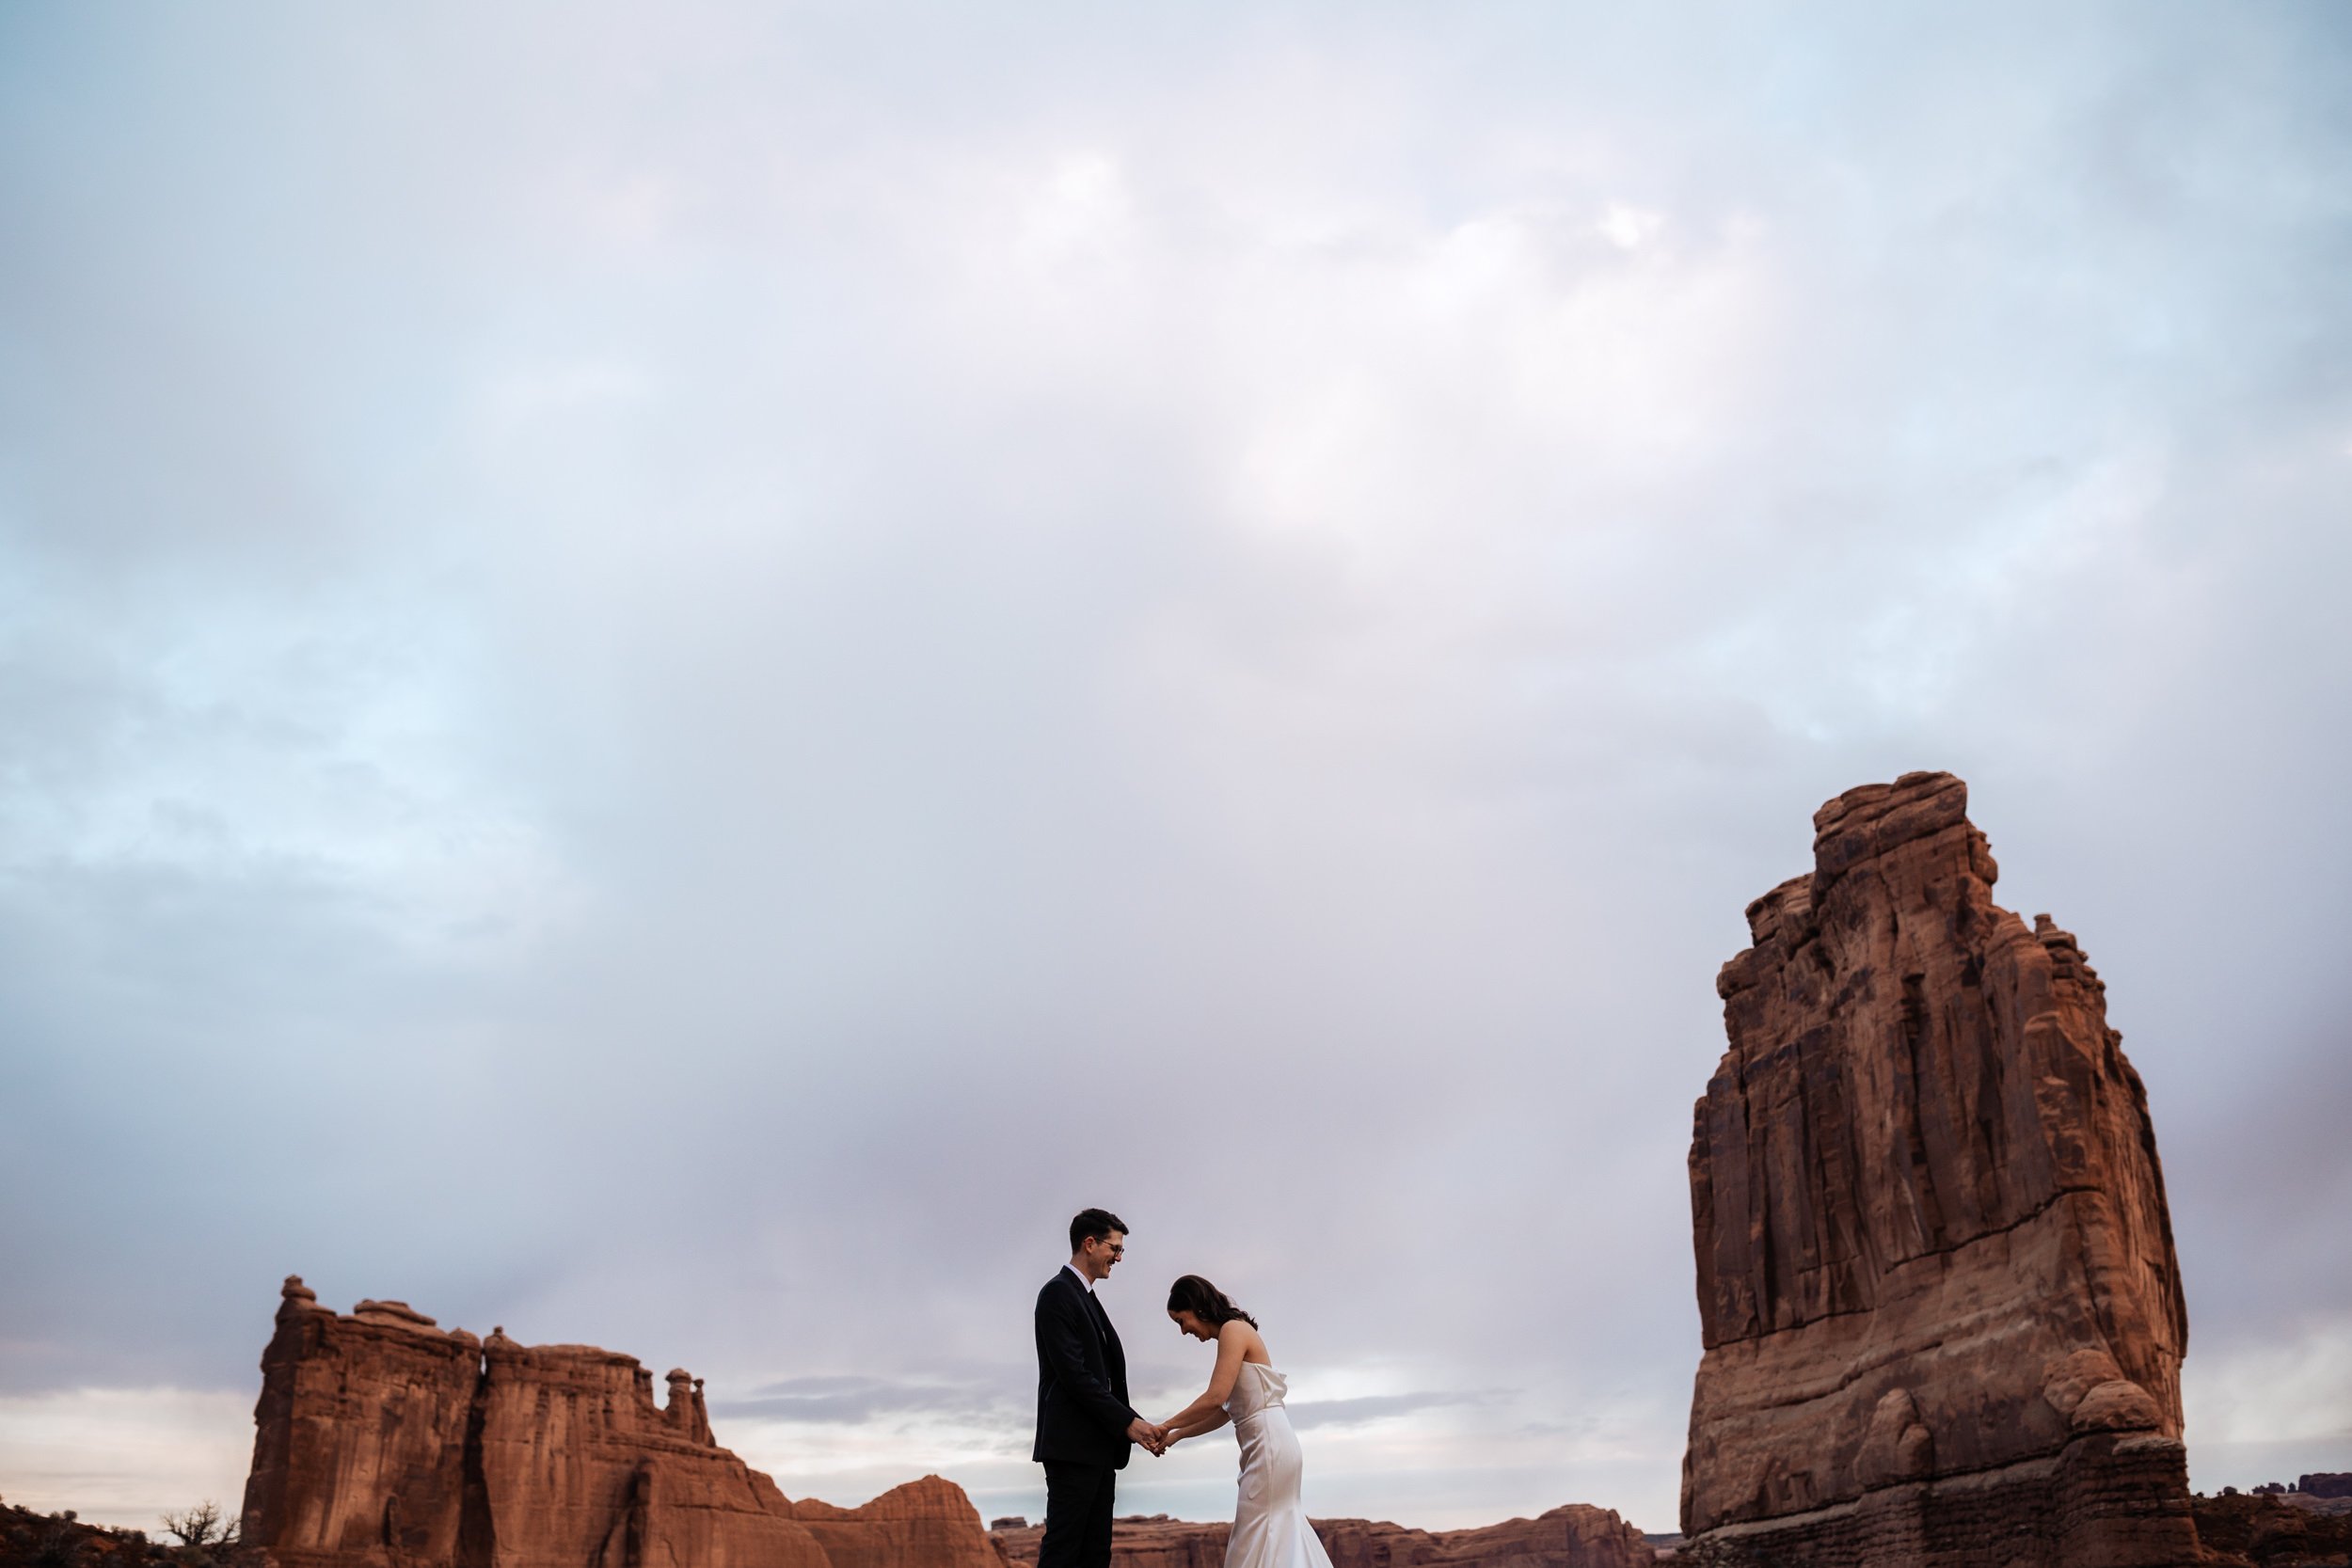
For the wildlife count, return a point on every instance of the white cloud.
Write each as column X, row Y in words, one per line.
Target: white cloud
column 2298, row 1387
column 125, row 1456
column 1081, row 215
column 1628, row 227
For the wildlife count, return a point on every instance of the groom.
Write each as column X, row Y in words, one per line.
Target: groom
column 1083, row 1424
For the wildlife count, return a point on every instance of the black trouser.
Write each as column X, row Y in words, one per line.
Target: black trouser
column 1077, row 1515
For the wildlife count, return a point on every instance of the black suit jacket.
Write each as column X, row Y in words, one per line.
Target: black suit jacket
column 1082, row 1413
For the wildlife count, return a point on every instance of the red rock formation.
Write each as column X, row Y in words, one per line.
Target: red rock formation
column 360, row 1435
column 1574, row 1536
column 576, row 1465
column 2271, row 1532
column 1942, row 1313
column 1139, row 1541
column 383, row 1442
column 928, row 1522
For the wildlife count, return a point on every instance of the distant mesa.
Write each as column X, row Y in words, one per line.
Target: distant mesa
column 383, row 1442
column 1576, row 1536
column 1943, row 1319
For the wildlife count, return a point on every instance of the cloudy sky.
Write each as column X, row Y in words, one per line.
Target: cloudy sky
column 670, row 679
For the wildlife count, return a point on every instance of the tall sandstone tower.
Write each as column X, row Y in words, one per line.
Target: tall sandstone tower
column 1943, row 1317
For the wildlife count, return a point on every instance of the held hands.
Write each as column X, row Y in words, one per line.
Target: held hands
column 1154, row 1438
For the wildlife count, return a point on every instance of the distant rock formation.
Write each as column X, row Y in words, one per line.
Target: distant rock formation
column 924, row 1524
column 1942, row 1313
column 2328, row 1483
column 2273, row 1531
column 1575, row 1536
column 1139, row 1541
column 382, row 1441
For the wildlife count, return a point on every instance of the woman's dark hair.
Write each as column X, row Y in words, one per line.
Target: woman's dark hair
column 1204, row 1301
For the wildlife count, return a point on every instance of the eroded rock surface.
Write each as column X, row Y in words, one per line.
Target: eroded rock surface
column 1942, row 1314
column 383, row 1441
column 1574, row 1536
column 2272, row 1532
column 929, row 1523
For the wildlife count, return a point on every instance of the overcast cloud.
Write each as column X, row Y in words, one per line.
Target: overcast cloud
column 669, row 679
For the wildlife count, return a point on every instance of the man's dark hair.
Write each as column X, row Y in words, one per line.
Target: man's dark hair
column 1093, row 1225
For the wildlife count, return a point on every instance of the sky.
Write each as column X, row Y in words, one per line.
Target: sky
column 671, row 679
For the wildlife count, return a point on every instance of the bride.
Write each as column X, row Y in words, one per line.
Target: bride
column 1270, row 1528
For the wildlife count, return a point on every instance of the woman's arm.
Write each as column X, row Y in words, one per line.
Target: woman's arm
column 1231, row 1341
column 1210, row 1422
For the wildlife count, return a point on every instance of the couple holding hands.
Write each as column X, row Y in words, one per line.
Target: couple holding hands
column 1085, row 1427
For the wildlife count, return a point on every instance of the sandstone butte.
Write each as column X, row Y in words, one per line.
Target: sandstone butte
column 383, row 1441
column 1942, row 1314
column 1576, row 1536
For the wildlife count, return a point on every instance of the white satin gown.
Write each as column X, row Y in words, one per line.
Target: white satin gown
column 1270, row 1528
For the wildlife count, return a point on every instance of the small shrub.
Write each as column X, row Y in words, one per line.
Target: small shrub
column 202, row 1526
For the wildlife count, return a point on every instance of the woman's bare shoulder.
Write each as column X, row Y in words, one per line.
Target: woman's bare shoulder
column 1234, row 1331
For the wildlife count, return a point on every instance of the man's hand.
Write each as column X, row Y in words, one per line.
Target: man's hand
column 1145, row 1434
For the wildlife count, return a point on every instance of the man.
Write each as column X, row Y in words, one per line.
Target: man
column 1083, row 1424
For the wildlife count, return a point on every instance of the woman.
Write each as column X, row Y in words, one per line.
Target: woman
column 1270, row 1528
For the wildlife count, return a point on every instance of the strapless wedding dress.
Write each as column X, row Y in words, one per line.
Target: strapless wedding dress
column 1270, row 1528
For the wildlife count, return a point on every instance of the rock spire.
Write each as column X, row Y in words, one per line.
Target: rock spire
column 1942, row 1314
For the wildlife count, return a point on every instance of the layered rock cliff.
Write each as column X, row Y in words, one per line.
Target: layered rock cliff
column 1575, row 1536
column 1943, row 1318
column 383, row 1441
